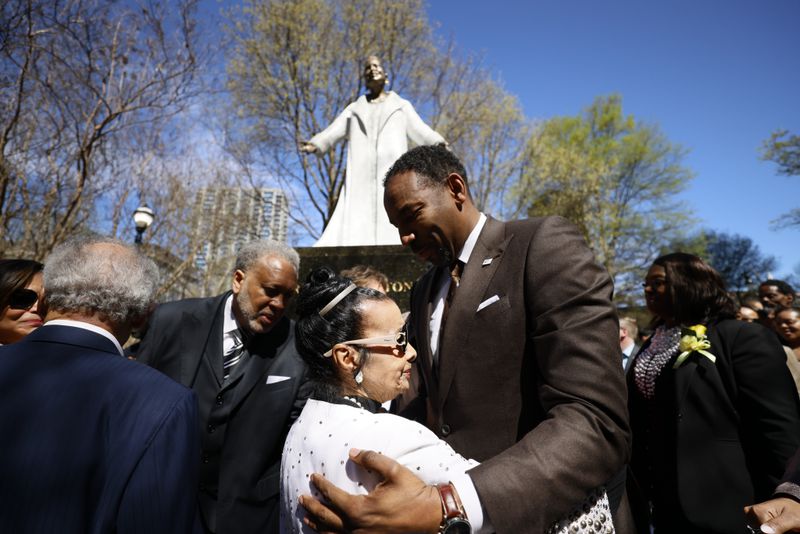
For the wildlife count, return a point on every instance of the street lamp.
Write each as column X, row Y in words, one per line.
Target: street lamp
column 143, row 218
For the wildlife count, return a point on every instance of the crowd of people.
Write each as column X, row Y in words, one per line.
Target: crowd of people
column 510, row 398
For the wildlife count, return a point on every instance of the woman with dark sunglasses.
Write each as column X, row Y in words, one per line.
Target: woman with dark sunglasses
column 20, row 293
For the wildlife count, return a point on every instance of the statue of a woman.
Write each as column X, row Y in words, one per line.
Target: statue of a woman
column 378, row 126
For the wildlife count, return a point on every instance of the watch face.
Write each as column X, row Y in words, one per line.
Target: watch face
column 457, row 526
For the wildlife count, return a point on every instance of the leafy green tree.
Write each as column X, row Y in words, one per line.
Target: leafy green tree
column 615, row 177
column 487, row 128
column 696, row 244
column 738, row 260
column 783, row 149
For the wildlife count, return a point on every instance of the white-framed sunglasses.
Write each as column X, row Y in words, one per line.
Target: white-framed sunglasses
column 400, row 340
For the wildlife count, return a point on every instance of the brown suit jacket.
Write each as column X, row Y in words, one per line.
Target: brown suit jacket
column 530, row 385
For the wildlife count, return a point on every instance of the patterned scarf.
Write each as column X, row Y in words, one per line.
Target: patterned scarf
column 651, row 361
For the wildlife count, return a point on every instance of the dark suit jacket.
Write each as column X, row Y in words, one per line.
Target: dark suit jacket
column 530, row 385
column 91, row 441
column 244, row 422
column 631, row 357
column 725, row 430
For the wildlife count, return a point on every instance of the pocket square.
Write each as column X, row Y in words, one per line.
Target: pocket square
column 274, row 379
column 488, row 302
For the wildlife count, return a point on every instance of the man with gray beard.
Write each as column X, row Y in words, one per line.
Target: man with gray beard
column 236, row 351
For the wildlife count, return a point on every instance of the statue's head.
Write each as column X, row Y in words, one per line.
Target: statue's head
column 374, row 75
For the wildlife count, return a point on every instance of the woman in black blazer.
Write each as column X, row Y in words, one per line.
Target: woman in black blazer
column 714, row 412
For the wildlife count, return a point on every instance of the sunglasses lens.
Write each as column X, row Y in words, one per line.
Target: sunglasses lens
column 402, row 340
column 23, row 299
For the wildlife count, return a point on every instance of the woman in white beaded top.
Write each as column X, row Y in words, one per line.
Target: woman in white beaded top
column 355, row 343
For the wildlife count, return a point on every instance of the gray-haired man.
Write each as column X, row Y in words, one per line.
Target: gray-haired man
column 91, row 441
column 236, row 351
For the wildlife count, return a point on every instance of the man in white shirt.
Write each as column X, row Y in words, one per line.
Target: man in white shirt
column 236, row 351
column 628, row 333
column 516, row 341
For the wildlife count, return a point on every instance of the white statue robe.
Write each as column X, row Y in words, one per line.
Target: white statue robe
column 377, row 134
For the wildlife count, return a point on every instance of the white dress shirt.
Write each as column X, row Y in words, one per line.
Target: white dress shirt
column 86, row 326
column 463, row 256
column 230, row 328
column 627, row 353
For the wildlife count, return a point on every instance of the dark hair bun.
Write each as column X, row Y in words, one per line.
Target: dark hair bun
column 322, row 284
column 320, row 276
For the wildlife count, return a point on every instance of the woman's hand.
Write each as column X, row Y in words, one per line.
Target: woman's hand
column 401, row 502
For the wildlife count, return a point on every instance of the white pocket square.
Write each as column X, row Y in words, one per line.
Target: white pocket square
column 488, row 302
column 274, row 379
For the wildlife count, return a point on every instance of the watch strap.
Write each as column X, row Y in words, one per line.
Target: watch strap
column 451, row 504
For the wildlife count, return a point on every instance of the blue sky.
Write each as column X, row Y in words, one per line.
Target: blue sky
column 717, row 76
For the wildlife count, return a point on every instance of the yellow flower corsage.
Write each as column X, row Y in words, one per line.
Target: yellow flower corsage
column 694, row 340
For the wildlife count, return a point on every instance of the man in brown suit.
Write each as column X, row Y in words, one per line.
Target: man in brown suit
column 519, row 361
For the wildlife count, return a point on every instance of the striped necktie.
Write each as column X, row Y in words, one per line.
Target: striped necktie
column 232, row 357
column 455, row 280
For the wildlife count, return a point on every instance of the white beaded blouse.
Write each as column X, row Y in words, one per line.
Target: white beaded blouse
column 322, row 436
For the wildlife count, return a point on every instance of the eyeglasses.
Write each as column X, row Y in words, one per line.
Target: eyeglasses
column 399, row 340
column 655, row 283
column 23, row 299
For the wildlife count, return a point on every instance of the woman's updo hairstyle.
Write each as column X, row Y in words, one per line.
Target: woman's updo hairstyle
column 315, row 334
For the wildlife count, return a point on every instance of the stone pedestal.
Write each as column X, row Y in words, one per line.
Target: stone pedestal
column 398, row 263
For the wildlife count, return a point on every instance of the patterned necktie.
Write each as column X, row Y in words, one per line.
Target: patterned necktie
column 232, row 357
column 455, row 281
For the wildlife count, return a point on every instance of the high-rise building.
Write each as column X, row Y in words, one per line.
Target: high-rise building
column 232, row 216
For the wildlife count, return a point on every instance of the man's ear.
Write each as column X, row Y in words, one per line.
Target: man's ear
column 457, row 187
column 238, row 279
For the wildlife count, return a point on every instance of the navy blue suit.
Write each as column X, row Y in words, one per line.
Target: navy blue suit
column 92, row 442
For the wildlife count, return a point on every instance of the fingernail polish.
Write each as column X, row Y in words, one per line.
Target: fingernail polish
column 766, row 529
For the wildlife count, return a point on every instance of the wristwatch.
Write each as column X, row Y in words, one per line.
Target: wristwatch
column 454, row 519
